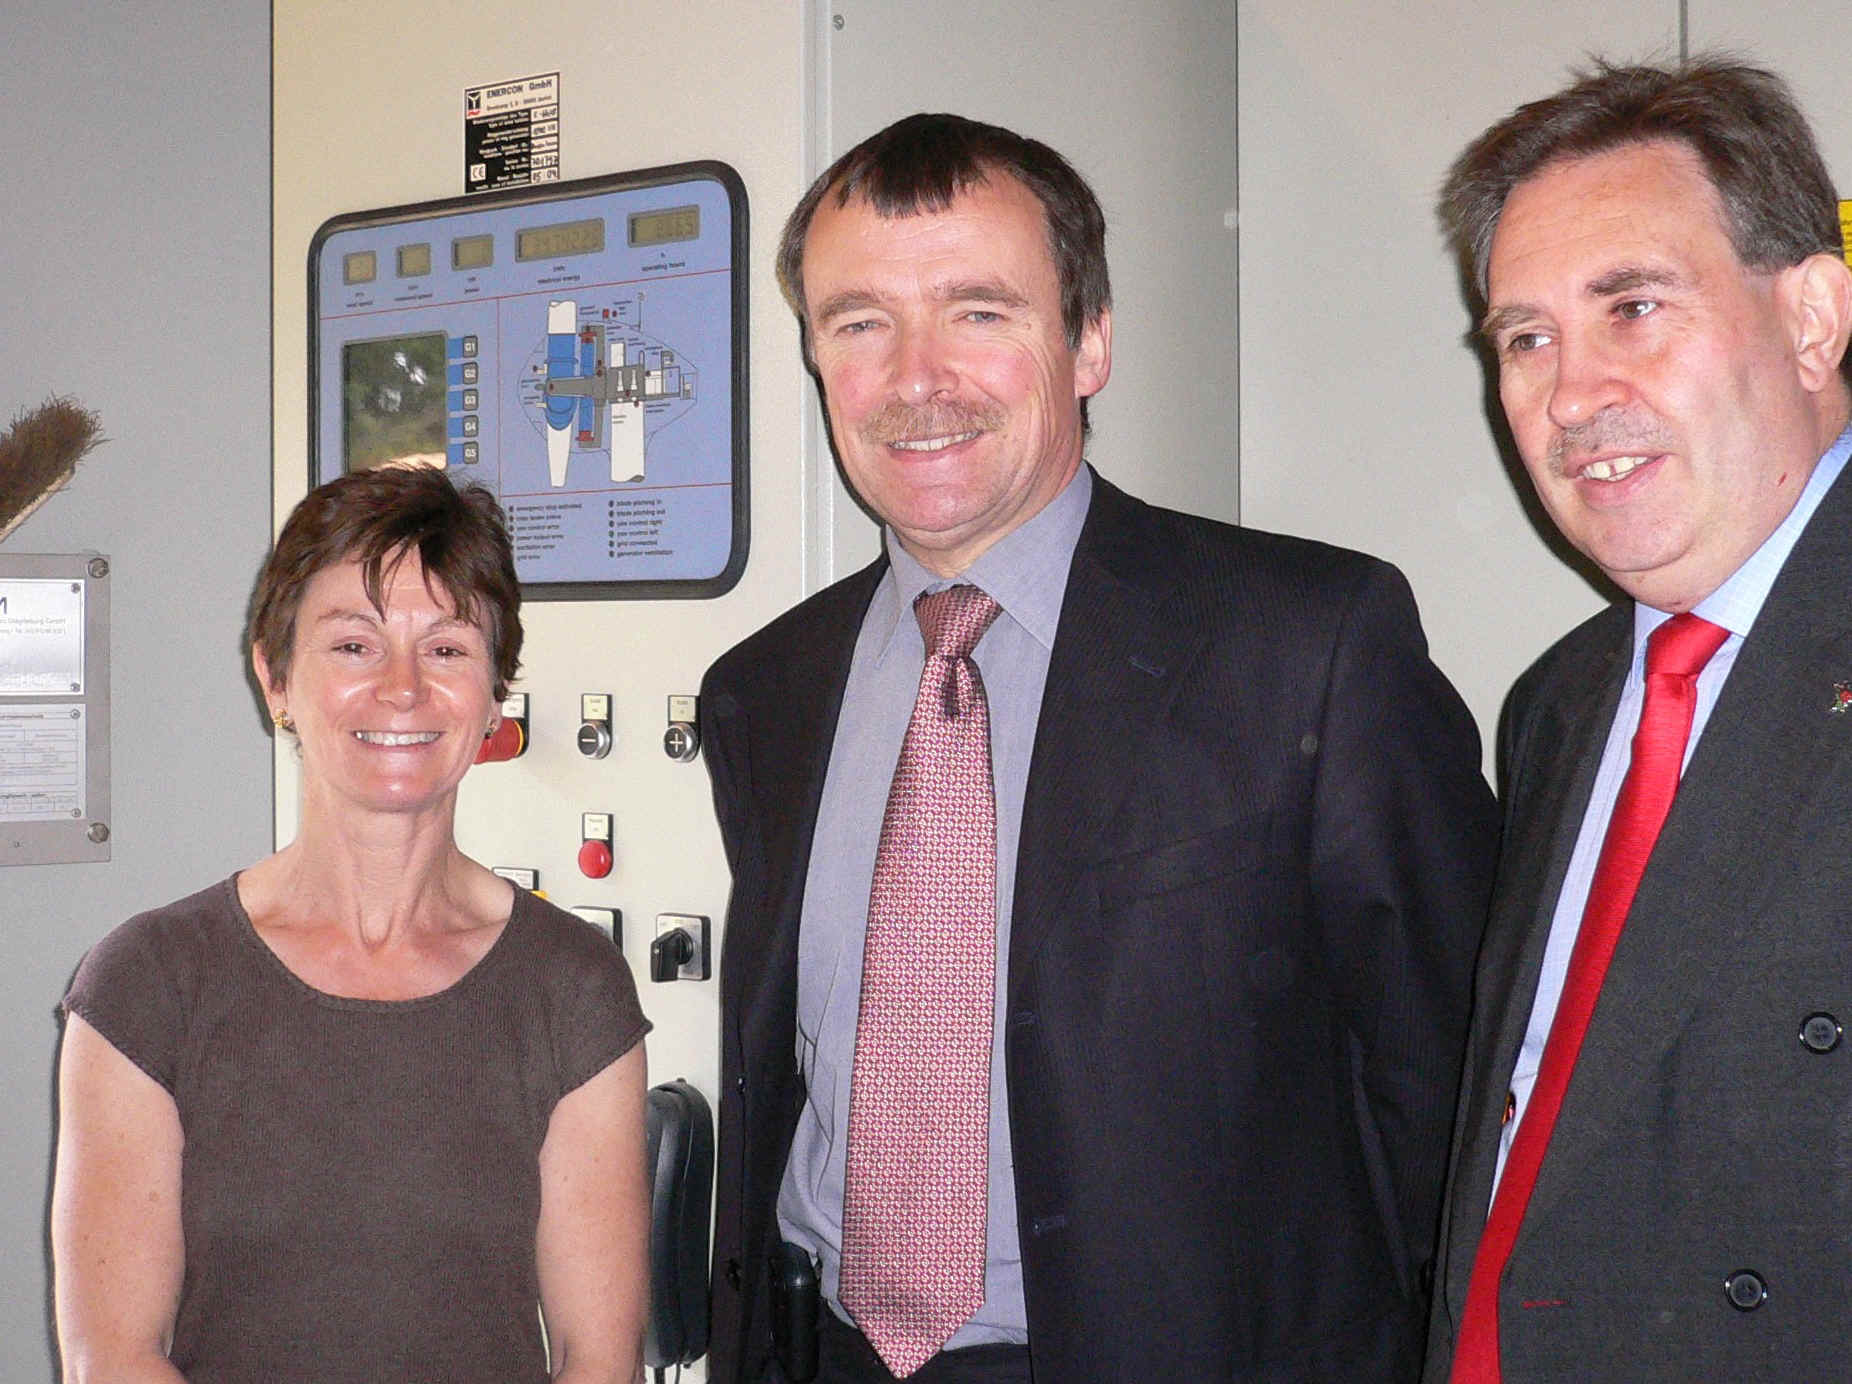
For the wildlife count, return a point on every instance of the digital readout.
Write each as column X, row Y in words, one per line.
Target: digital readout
column 664, row 227
column 555, row 242
column 360, row 267
column 472, row 252
column 415, row 260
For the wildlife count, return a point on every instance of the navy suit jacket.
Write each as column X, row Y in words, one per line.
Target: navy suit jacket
column 1700, row 1139
column 1254, row 860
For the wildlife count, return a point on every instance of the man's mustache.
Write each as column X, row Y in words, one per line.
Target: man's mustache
column 898, row 422
column 1609, row 431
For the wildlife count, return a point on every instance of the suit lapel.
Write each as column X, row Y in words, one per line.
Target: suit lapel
column 1552, row 769
column 1565, row 742
column 792, row 722
column 1774, row 758
column 1115, row 662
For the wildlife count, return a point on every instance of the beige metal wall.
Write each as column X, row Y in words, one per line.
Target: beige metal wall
column 1365, row 416
column 1141, row 98
column 368, row 113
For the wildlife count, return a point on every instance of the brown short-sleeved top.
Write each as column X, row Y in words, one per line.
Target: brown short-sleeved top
column 360, row 1183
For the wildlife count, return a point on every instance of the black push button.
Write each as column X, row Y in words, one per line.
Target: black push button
column 1820, row 1033
column 1746, row 1290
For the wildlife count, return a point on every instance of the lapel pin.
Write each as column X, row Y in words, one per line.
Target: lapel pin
column 1842, row 698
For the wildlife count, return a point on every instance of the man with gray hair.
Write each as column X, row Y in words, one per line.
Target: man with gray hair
column 1652, row 1166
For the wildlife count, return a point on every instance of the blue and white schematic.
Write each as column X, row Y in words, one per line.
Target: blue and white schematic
column 578, row 350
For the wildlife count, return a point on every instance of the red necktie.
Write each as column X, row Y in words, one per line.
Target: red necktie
column 914, row 1191
column 1676, row 653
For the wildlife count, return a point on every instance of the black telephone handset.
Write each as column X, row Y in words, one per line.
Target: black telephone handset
column 681, row 1163
column 795, row 1305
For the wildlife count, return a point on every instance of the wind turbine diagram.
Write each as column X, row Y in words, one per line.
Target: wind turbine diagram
column 598, row 376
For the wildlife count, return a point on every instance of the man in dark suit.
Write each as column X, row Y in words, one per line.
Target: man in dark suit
column 1652, row 1175
column 1240, row 857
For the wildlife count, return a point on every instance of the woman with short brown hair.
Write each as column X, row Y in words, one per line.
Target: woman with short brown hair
column 364, row 1111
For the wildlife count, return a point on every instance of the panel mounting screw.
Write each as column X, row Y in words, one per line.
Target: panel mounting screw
column 99, row 832
column 99, row 567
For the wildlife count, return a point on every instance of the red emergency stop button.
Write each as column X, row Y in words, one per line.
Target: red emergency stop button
column 508, row 741
column 595, row 859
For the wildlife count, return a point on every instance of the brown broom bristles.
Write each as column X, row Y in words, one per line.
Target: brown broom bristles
column 39, row 455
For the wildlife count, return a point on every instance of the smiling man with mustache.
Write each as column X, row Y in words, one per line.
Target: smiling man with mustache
column 1650, row 1178
column 1126, row 1025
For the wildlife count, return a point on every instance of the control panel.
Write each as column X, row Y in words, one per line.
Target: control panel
column 564, row 772
column 577, row 349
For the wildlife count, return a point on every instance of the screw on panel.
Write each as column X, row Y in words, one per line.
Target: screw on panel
column 99, row 832
column 836, row 21
column 99, row 567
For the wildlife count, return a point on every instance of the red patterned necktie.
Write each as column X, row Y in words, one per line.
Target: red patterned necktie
column 914, row 1193
column 1676, row 653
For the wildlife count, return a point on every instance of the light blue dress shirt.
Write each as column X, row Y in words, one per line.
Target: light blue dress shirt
column 1734, row 605
column 1025, row 572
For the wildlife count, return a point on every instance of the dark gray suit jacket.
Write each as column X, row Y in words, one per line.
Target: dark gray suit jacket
column 1700, row 1137
column 1255, row 855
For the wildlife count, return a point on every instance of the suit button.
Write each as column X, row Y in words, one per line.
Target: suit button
column 1746, row 1290
column 733, row 1274
column 1820, row 1032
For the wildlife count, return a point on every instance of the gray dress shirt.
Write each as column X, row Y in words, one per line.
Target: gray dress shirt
column 1025, row 572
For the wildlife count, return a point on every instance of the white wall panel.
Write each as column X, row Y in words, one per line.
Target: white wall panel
column 1807, row 41
column 1141, row 99
column 1366, row 418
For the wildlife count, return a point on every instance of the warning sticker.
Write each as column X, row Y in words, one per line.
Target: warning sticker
column 511, row 133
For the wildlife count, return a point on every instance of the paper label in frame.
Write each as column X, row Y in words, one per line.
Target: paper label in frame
column 41, row 763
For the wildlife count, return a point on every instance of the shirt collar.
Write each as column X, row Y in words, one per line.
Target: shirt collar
column 1024, row 572
column 1736, row 604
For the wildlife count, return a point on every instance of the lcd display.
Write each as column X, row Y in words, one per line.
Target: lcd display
column 392, row 402
column 472, row 252
column 414, row 261
column 664, row 227
column 555, row 242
